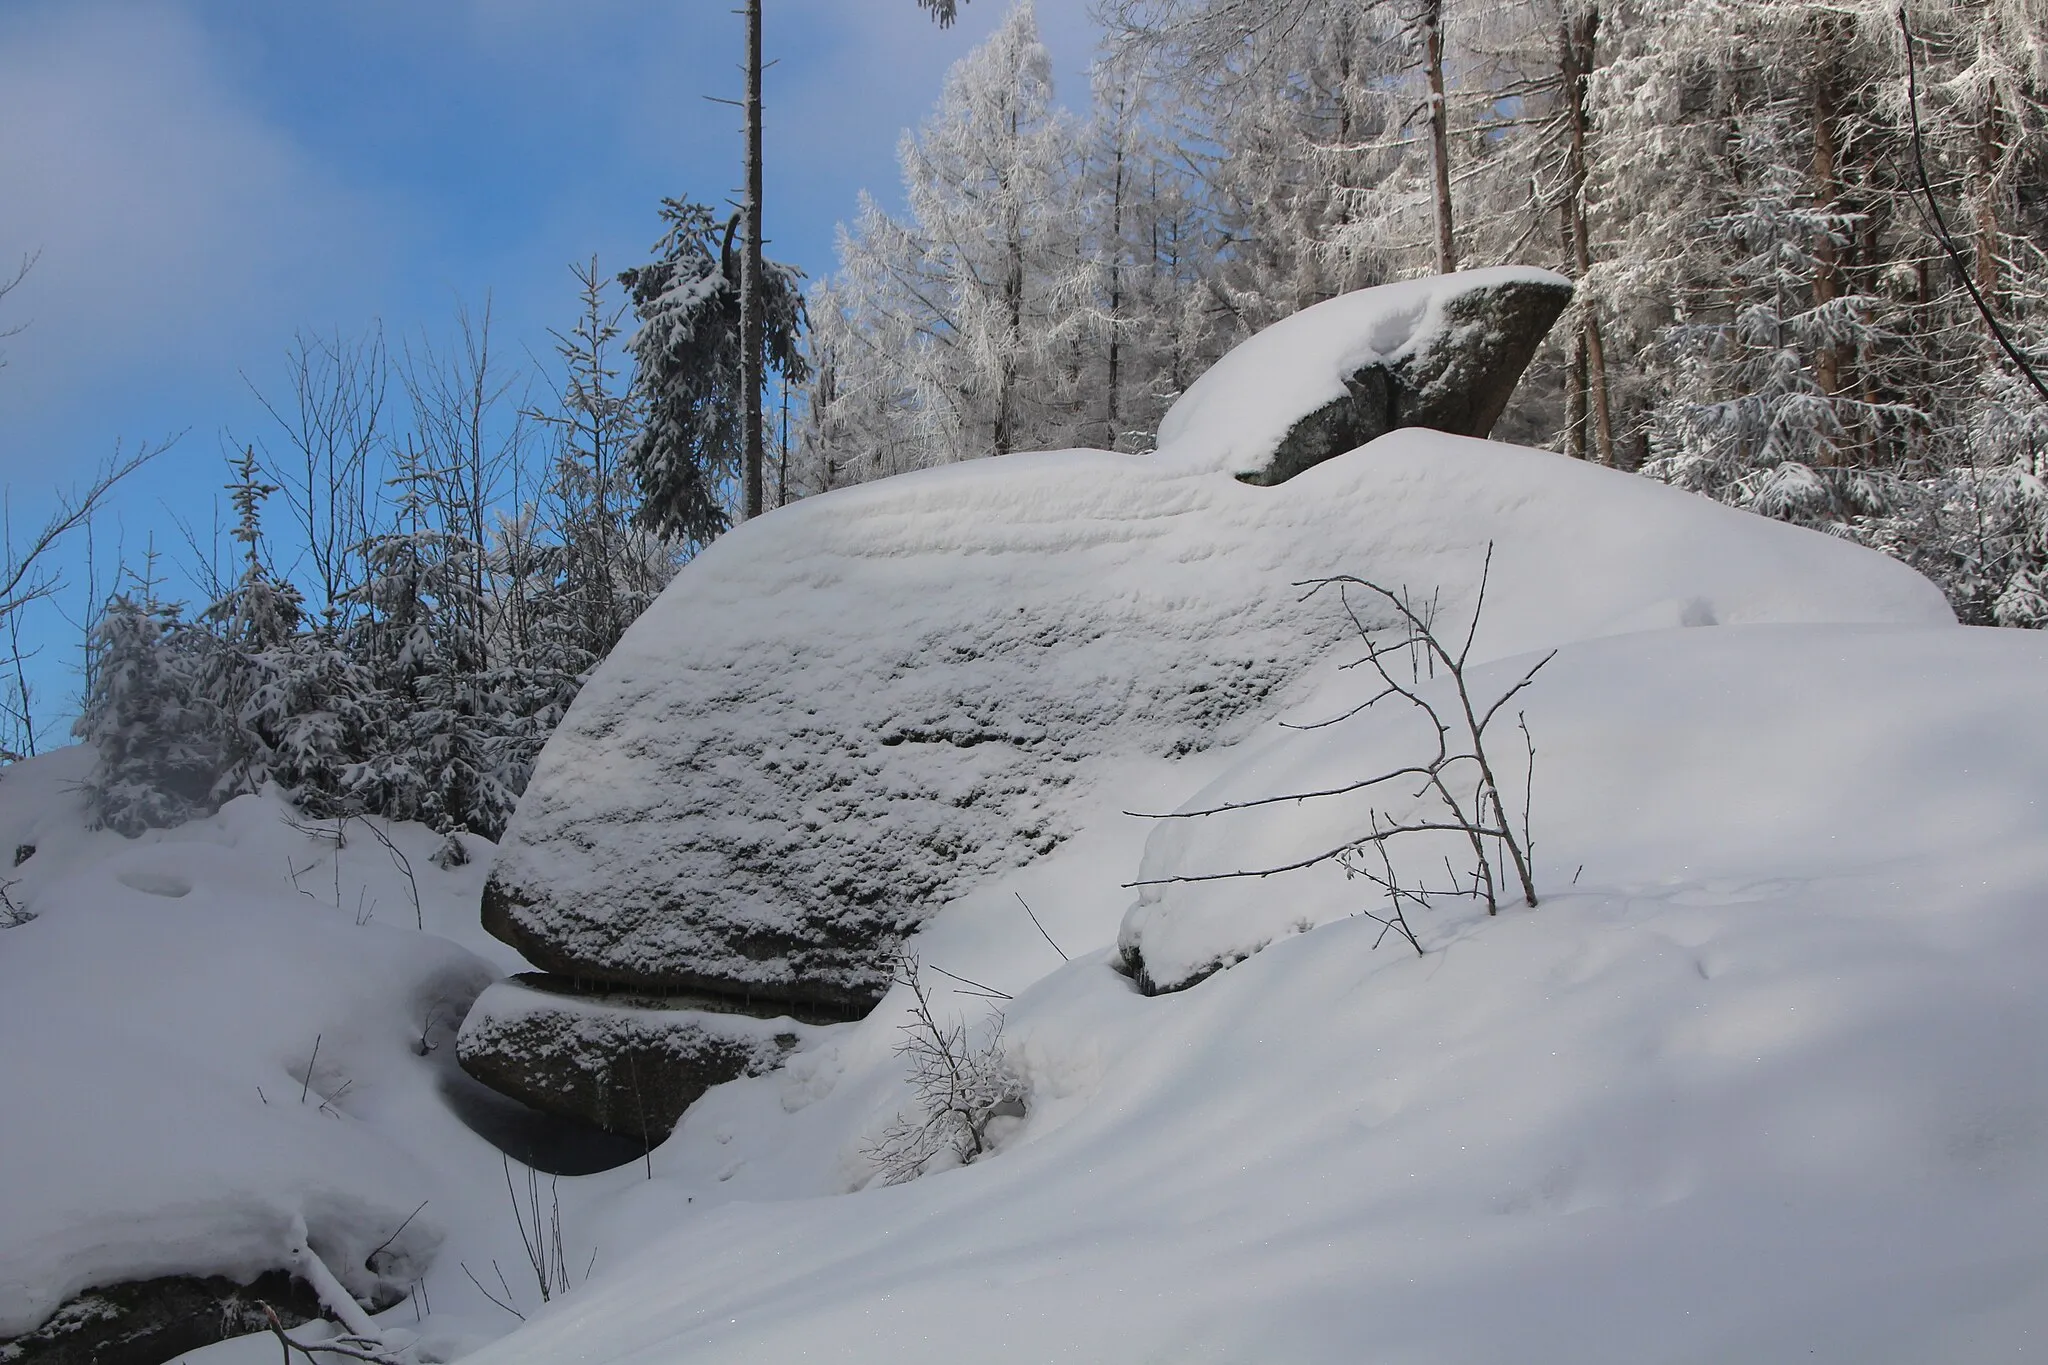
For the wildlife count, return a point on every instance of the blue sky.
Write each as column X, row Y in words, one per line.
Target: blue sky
column 202, row 177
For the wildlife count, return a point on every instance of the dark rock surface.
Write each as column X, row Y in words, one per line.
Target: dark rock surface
column 1459, row 383
column 627, row 1063
column 147, row 1322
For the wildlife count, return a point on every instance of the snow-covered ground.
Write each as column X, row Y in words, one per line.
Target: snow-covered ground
column 214, row 1030
column 1760, row 1079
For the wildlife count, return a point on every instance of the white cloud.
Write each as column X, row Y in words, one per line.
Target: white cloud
column 170, row 215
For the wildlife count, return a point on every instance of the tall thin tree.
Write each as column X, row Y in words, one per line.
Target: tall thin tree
column 752, row 380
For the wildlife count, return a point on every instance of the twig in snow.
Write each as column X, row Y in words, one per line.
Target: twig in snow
column 348, row 1346
column 1040, row 927
column 464, row 1265
column 986, row 992
column 403, row 864
column 307, row 1083
column 394, row 1236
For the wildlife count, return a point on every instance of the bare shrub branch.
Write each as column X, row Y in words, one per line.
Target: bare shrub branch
column 1460, row 775
column 961, row 1089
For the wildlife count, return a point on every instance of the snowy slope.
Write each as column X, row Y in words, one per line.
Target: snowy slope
column 217, row 1029
column 1763, row 1085
column 850, row 711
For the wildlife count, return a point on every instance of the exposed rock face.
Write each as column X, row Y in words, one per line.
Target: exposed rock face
column 1460, row 383
column 146, row 1322
column 629, row 1064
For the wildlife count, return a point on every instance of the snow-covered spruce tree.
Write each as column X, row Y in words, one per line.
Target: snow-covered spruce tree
column 687, row 351
column 1979, row 102
column 157, row 741
column 427, row 756
column 468, row 610
column 1795, row 114
column 248, row 655
column 952, row 332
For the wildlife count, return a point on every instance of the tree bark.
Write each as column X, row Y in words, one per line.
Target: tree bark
column 1439, row 134
column 1988, row 152
column 1013, row 303
column 1116, row 294
column 751, row 328
column 1827, row 194
column 1578, row 36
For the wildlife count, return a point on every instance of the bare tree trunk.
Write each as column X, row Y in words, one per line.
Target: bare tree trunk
column 1577, row 37
column 1439, row 134
column 1827, row 194
column 1575, row 399
column 751, row 377
column 1013, row 299
column 1988, row 152
column 1116, row 294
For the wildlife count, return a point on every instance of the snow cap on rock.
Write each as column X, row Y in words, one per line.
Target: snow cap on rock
column 1443, row 352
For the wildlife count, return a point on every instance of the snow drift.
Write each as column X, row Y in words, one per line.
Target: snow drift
column 202, row 1050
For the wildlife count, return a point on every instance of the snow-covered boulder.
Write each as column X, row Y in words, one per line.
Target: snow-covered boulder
column 625, row 1063
column 854, row 709
column 1443, row 352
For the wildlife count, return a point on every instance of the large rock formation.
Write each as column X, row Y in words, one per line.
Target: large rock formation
column 850, row 711
column 824, row 731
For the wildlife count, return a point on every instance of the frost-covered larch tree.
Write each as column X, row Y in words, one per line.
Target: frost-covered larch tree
column 951, row 330
column 1147, row 244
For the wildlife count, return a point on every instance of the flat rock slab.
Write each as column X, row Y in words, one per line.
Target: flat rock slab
column 629, row 1063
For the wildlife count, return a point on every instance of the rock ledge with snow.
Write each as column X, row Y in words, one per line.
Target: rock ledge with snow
column 1443, row 352
column 629, row 1064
